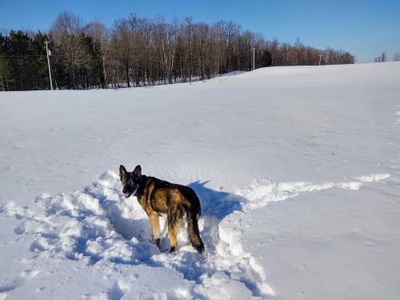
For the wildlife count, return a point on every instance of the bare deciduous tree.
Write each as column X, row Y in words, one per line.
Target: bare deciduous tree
column 139, row 51
column 381, row 58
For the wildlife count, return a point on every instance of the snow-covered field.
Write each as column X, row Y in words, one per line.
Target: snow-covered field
column 297, row 170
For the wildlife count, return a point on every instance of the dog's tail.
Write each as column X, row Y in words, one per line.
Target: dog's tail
column 193, row 231
column 192, row 211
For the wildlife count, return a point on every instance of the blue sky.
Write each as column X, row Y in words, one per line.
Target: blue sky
column 366, row 28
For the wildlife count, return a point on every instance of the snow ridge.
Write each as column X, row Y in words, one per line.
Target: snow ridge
column 260, row 193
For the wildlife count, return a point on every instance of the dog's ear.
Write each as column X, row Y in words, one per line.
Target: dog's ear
column 122, row 171
column 138, row 171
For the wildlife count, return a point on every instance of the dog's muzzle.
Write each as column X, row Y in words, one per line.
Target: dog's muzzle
column 129, row 193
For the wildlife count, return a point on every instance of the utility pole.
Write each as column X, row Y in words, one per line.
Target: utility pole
column 254, row 58
column 48, row 63
column 320, row 59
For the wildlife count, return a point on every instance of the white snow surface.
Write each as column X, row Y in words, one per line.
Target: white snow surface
column 297, row 170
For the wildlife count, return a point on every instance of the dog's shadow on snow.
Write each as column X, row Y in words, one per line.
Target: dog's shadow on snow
column 215, row 206
column 214, row 203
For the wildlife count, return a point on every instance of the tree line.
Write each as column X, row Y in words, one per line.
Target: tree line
column 383, row 57
column 139, row 51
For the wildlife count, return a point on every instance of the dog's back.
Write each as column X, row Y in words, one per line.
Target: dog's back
column 160, row 196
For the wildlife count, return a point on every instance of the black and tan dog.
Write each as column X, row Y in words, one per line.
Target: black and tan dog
column 158, row 196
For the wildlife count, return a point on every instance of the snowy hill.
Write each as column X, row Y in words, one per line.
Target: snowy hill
column 297, row 170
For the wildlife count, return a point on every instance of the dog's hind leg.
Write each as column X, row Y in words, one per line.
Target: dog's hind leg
column 155, row 225
column 174, row 216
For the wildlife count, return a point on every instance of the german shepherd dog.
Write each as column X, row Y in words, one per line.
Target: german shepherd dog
column 158, row 196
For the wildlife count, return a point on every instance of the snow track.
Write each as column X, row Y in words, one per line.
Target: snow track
column 101, row 228
column 260, row 192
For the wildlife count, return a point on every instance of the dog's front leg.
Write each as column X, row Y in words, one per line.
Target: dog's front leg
column 155, row 225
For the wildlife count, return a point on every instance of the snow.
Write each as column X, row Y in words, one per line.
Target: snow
column 296, row 168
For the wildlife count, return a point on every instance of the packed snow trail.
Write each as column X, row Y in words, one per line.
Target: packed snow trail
column 260, row 192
